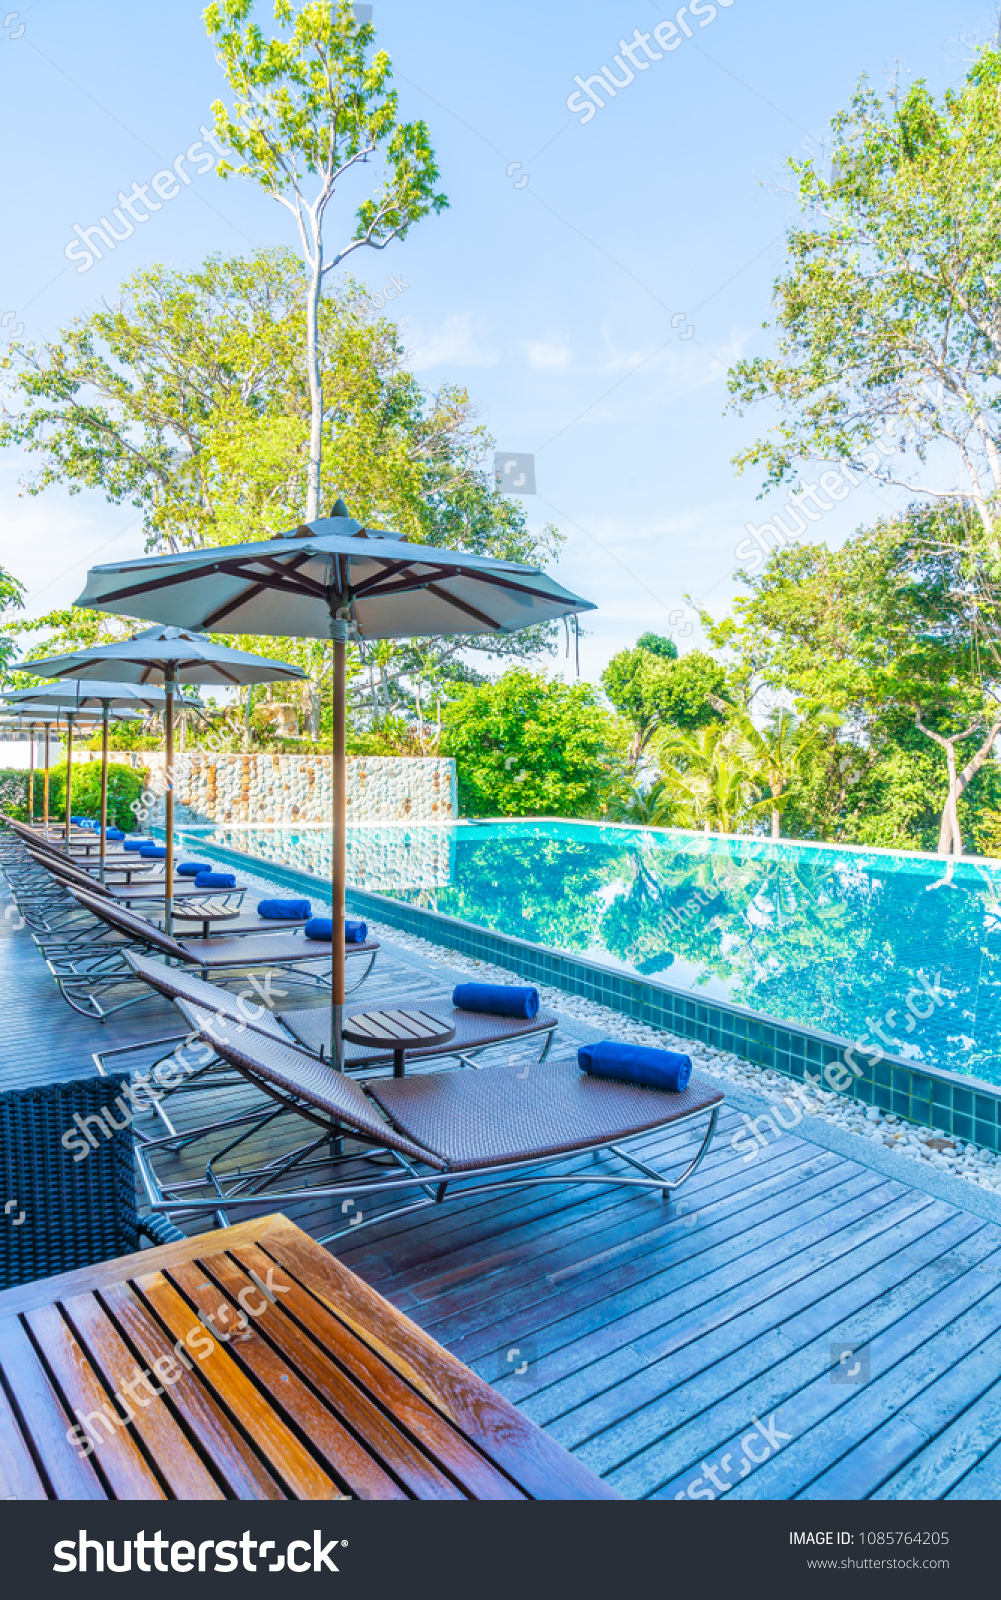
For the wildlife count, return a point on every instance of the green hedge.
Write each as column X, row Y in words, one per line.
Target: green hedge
column 125, row 784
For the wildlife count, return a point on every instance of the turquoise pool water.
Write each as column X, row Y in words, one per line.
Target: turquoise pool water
column 894, row 950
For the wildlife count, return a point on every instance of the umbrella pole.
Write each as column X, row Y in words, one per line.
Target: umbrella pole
column 168, row 804
column 339, row 636
column 69, row 776
column 104, row 786
column 45, row 824
column 31, row 776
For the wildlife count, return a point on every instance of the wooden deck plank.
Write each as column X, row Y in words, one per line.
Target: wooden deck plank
column 943, row 1426
column 838, row 1434
column 586, row 1267
column 685, row 1298
column 619, row 1423
column 713, row 1408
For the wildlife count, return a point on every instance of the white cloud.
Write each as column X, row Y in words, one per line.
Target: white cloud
column 457, row 343
column 546, row 357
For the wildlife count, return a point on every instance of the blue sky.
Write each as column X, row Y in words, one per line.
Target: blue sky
column 592, row 311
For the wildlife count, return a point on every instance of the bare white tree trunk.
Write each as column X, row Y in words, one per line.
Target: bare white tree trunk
column 315, row 385
column 950, row 838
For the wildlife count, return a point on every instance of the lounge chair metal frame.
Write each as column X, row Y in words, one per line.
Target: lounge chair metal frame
column 82, row 980
column 249, row 1187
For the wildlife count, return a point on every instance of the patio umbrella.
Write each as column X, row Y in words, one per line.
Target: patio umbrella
column 106, row 695
column 327, row 579
column 164, row 656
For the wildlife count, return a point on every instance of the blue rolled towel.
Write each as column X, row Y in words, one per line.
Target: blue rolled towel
column 114, row 833
column 285, row 910
column 155, row 851
column 133, row 844
column 215, row 880
column 323, row 928
column 191, row 869
column 634, row 1063
column 497, row 999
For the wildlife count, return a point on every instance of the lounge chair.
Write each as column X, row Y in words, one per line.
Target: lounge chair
column 459, row 1131
column 309, row 1028
column 82, row 980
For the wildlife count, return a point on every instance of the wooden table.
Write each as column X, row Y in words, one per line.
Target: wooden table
column 398, row 1031
column 327, row 1392
column 205, row 914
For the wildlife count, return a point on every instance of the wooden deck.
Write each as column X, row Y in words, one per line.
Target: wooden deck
column 685, row 1353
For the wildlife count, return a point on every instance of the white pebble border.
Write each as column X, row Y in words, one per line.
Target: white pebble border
column 968, row 1161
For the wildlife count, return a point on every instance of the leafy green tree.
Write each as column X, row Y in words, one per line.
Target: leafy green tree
column 653, row 689
column 310, row 108
column 11, row 599
column 888, row 336
column 879, row 643
column 528, row 746
column 776, row 753
column 707, row 775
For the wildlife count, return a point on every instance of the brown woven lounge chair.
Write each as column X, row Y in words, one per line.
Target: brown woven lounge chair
column 82, row 979
column 457, row 1131
column 309, row 1027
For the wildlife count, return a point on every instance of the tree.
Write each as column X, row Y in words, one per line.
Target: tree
column 525, row 746
column 879, row 644
column 778, row 751
column 652, row 689
column 705, row 773
column 189, row 399
column 889, row 338
column 11, row 599
column 309, row 106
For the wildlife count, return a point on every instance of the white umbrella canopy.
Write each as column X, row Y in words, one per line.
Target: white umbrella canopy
column 330, row 579
column 163, row 655
column 98, row 697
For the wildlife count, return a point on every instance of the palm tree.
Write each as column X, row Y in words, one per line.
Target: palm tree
column 708, row 777
column 775, row 754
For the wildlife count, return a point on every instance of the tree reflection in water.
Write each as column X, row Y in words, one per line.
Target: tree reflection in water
column 834, row 939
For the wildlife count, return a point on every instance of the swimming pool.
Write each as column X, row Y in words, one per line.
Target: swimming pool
column 894, row 950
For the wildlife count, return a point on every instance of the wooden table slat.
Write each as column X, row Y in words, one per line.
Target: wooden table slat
column 216, row 1439
column 19, row 1478
column 154, row 1421
column 369, row 1384
column 70, row 1475
column 289, row 1459
column 328, row 1376
column 283, row 1380
column 119, row 1456
column 537, row 1463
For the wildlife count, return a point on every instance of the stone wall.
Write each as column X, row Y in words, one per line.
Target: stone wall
column 261, row 788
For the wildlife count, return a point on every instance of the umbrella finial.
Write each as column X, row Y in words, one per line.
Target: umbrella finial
column 340, row 509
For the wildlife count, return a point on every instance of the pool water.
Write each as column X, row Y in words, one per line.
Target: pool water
column 900, row 951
